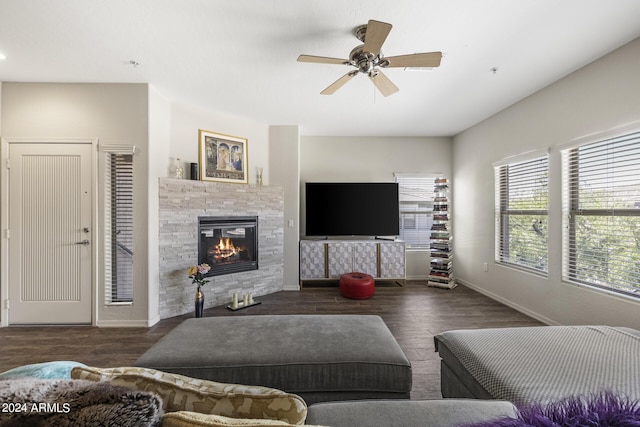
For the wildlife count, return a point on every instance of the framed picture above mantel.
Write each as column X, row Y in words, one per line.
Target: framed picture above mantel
column 222, row 157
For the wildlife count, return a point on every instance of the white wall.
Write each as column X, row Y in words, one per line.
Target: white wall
column 186, row 120
column 371, row 158
column 284, row 159
column 374, row 158
column 132, row 114
column 596, row 98
column 115, row 114
column 159, row 137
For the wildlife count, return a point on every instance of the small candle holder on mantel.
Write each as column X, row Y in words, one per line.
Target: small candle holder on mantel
column 178, row 169
column 247, row 301
column 259, row 176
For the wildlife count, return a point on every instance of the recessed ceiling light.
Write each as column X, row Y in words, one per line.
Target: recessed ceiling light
column 2, row 57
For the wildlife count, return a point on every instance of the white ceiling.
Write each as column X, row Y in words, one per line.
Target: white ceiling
column 239, row 56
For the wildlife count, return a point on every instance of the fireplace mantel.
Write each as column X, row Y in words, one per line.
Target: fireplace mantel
column 181, row 202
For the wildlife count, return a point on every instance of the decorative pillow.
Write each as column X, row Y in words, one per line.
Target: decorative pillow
column 604, row 409
column 182, row 393
column 68, row 403
column 47, row 370
column 194, row 419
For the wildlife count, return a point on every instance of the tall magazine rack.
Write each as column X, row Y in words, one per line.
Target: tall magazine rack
column 440, row 242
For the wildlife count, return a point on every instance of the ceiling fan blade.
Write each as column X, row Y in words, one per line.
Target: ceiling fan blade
column 384, row 85
column 429, row 59
column 330, row 90
column 322, row 60
column 375, row 36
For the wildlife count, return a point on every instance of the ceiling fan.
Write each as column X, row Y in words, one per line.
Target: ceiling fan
column 368, row 59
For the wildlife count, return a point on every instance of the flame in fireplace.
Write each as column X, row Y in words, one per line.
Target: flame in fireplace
column 225, row 248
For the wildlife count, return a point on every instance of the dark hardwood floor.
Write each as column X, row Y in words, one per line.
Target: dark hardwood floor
column 414, row 314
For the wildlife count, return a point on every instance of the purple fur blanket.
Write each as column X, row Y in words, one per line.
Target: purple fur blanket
column 601, row 410
column 35, row 403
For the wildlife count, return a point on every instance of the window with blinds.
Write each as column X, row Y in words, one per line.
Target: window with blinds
column 522, row 200
column 416, row 208
column 601, row 204
column 118, row 238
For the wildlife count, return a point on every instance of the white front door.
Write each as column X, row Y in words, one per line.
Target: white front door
column 50, row 233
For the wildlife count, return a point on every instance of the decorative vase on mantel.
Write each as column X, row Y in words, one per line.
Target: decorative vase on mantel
column 199, row 302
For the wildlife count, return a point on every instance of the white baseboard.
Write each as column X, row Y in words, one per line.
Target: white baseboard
column 126, row 323
column 153, row 321
column 289, row 287
column 508, row 303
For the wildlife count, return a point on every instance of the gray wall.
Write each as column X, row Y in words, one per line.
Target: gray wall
column 597, row 98
column 115, row 114
column 375, row 158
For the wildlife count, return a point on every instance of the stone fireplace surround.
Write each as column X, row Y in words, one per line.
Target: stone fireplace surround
column 181, row 203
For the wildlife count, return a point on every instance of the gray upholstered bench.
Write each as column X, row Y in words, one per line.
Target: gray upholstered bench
column 539, row 364
column 319, row 357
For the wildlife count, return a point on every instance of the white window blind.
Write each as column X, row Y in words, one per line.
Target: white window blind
column 601, row 204
column 522, row 194
column 416, row 208
column 118, row 211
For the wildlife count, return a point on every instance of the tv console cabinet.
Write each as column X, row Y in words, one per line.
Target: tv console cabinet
column 324, row 261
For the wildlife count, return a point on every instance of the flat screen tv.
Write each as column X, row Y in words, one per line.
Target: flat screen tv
column 352, row 209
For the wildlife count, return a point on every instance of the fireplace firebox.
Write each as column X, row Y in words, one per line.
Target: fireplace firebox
column 229, row 244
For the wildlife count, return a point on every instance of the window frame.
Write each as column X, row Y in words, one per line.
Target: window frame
column 427, row 179
column 572, row 209
column 110, row 247
column 503, row 212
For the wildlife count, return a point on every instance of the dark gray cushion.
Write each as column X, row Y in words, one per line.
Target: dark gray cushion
column 408, row 413
column 319, row 357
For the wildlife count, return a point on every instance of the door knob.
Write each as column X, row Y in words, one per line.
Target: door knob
column 85, row 242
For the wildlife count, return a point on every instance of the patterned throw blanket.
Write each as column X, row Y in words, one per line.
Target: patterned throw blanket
column 34, row 403
column 537, row 364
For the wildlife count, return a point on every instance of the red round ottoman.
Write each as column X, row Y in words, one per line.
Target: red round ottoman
column 357, row 285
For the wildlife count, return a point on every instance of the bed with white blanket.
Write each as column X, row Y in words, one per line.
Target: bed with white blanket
column 539, row 364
